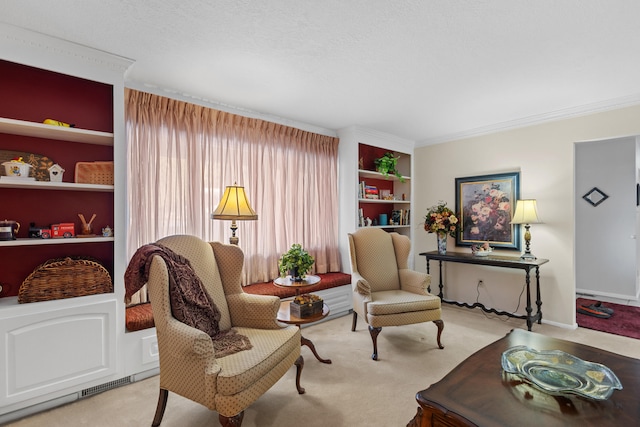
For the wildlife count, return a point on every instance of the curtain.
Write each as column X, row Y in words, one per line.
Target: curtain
column 181, row 158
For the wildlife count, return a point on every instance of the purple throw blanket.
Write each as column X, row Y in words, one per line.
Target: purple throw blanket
column 190, row 302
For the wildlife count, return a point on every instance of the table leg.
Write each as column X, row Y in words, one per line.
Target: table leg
column 529, row 308
column 308, row 343
column 538, row 299
column 428, row 287
column 441, row 294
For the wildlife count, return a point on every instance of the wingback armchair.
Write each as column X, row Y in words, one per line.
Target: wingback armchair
column 189, row 364
column 385, row 291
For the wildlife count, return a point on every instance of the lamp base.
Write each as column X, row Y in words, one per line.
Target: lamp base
column 528, row 256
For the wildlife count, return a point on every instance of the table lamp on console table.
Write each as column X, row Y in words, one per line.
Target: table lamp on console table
column 526, row 213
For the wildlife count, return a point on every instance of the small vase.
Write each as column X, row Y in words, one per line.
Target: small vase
column 442, row 243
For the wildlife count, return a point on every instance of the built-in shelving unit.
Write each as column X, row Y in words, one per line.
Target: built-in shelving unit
column 396, row 207
column 358, row 149
column 53, row 350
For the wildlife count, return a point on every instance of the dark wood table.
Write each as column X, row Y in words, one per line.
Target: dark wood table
column 285, row 316
column 478, row 393
column 494, row 261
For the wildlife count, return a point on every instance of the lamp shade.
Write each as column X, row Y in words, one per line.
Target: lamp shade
column 234, row 205
column 526, row 212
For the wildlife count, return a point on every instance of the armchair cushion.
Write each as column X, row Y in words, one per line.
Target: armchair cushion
column 394, row 302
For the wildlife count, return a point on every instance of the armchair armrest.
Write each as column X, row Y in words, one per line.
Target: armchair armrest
column 414, row 281
column 360, row 285
column 186, row 341
column 254, row 311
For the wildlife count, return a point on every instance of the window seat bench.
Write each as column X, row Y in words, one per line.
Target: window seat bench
column 333, row 288
column 327, row 281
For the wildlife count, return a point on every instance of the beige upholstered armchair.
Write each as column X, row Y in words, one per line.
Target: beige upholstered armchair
column 190, row 363
column 385, row 291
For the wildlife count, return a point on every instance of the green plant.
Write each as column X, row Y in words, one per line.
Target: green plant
column 295, row 259
column 388, row 164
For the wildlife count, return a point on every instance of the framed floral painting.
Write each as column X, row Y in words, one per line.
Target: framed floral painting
column 486, row 204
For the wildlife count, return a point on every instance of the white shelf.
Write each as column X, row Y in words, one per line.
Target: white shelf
column 47, row 185
column 57, row 241
column 60, row 133
column 377, row 175
column 393, row 202
column 387, row 226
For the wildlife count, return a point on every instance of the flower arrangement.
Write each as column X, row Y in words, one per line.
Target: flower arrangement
column 440, row 219
column 295, row 261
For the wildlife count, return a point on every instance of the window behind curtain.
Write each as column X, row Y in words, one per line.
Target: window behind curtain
column 181, row 158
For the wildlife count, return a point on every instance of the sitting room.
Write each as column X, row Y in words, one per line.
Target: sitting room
column 367, row 199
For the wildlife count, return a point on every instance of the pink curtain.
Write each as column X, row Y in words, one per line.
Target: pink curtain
column 181, row 158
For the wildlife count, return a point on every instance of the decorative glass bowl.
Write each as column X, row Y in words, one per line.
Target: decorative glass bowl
column 557, row 372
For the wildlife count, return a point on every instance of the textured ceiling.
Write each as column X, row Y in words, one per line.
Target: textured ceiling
column 420, row 69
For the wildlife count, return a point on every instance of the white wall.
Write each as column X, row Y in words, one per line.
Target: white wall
column 544, row 155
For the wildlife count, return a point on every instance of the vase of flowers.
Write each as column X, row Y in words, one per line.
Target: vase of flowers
column 295, row 262
column 442, row 221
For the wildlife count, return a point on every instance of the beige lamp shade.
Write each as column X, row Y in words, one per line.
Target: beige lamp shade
column 234, row 205
column 526, row 212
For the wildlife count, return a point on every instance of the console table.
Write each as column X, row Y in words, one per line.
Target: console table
column 494, row 261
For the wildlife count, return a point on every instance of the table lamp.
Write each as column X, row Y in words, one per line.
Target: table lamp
column 526, row 213
column 234, row 205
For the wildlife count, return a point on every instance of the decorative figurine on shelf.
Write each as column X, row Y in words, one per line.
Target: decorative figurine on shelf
column 53, row 122
column 107, row 232
column 87, row 228
column 55, row 173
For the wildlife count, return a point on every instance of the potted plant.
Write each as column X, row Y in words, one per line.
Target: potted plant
column 295, row 262
column 388, row 164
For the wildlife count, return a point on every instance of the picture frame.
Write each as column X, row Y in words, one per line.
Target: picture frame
column 485, row 205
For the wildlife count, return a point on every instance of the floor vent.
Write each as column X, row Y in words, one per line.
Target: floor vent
column 106, row 386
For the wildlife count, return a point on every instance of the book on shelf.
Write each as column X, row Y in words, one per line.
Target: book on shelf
column 400, row 216
column 371, row 192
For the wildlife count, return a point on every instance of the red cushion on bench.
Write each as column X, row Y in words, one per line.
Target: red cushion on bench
column 139, row 317
column 327, row 281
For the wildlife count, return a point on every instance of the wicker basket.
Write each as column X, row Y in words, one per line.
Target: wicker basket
column 94, row 173
column 65, row 278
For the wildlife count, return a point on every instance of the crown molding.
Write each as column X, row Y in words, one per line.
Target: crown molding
column 567, row 113
column 40, row 50
column 377, row 138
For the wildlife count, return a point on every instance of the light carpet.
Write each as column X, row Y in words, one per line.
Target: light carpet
column 353, row 391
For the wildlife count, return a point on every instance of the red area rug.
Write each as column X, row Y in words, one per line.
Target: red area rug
column 624, row 321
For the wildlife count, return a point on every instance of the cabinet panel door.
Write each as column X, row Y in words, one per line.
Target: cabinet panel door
column 49, row 351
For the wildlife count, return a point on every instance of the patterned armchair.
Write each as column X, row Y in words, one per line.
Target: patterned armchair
column 189, row 364
column 385, row 291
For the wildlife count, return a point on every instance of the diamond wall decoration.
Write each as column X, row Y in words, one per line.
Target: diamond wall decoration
column 595, row 196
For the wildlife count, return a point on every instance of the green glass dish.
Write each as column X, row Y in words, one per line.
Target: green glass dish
column 557, row 372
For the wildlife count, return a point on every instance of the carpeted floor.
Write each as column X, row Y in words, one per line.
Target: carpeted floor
column 353, row 391
column 624, row 321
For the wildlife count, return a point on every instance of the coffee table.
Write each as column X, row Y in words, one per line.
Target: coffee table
column 478, row 393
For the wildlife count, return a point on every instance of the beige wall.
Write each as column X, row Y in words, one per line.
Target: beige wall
column 544, row 155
